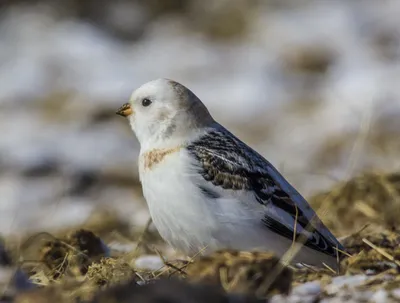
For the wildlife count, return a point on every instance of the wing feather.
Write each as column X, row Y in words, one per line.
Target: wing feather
column 227, row 162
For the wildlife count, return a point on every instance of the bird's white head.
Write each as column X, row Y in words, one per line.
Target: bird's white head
column 164, row 113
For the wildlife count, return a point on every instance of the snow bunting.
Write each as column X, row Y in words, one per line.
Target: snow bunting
column 207, row 190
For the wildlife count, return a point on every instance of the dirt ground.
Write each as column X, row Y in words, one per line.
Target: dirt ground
column 98, row 262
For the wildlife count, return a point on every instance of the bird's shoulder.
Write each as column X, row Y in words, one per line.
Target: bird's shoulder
column 227, row 162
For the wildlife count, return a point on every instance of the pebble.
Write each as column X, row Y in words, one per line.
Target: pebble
column 149, row 262
column 122, row 247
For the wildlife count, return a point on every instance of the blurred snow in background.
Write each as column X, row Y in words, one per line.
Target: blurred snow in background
column 314, row 86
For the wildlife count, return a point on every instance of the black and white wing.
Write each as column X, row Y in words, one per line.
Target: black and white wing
column 227, row 162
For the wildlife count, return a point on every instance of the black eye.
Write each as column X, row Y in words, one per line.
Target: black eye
column 146, row 102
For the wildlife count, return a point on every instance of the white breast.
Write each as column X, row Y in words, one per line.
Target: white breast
column 177, row 207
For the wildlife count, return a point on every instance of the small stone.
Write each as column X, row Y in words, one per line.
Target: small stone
column 149, row 262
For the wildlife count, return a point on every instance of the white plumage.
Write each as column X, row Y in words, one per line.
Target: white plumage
column 207, row 190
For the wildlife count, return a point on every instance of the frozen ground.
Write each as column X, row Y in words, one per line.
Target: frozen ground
column 63, row 152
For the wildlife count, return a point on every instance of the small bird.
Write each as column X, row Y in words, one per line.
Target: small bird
column 207, row 190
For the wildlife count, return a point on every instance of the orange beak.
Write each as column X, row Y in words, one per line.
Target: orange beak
column 125, row 110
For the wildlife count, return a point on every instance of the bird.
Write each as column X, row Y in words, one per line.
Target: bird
column 207, row 190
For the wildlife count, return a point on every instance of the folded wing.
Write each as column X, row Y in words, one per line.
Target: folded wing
column 227, row 162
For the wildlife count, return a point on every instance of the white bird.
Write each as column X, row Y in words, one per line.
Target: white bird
column 207, row 190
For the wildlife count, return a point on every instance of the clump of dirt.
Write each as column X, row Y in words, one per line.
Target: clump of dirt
column 111, row 271
column 373, row 251
column 55, row 256
column 51, row 259
column 242, row 272
column 73, row 268
column 366, row 199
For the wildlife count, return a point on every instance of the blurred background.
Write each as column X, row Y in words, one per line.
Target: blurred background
column 313, row 85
